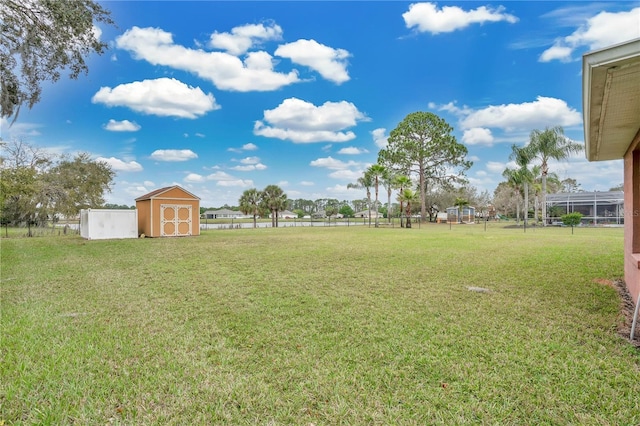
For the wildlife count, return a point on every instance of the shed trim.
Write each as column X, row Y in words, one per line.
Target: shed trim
column 158, row 192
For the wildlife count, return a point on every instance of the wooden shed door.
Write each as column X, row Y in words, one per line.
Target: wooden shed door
column 175, row 220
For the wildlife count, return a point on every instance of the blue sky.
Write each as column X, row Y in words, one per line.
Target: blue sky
column 219, row 97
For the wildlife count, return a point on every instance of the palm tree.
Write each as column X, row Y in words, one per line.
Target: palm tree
column 365, row 182
column 250, row 203
column 514, row 180
column 387, row 182
column 376, row 172
column 536, row 185
column 523, row 157
column 401, row 182
column 460, row 203
column 408, row 196
column 551, row 143
column 274, row 199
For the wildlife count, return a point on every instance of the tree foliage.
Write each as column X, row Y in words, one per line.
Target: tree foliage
column 274, row 199
column 523, row 157
column 377, row 173
column 79, row 183
column 408, row 198
column 331, row 211
column 548, row 144
column 387, row 181
column 619, row 187
column 515, row 180
column 37, row 187
column 250, row 203
column 570, row 185
column 571, row 219
column 364, row 182
column 346, row 211
column 461, row 203
column 422, row 145
column 401, row 182
column 40, row 39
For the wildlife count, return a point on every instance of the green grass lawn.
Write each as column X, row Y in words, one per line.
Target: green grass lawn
column 322, row 326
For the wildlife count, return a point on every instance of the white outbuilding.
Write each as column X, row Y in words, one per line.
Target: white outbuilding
column 104, row 224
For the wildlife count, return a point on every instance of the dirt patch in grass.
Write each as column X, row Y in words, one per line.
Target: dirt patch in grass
column 627, row 308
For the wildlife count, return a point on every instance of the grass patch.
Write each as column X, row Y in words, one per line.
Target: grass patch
column 317, row 326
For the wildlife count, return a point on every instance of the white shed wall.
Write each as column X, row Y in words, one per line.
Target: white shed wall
column 105, row 224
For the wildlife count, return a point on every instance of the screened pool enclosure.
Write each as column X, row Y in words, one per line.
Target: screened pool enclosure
column 597, row 208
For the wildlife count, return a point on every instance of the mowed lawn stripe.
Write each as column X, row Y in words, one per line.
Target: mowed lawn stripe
column 337, row 325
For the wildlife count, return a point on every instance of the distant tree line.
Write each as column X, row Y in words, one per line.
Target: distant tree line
column 303, row 207
column 37, row 187
column 112, row 206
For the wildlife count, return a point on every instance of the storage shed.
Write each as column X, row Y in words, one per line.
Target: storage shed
column 168, row 212
column 455, row 215
column 104, row 224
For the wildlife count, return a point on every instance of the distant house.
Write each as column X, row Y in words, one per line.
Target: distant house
column 224, row 214
column 286, row 214
column 611, row 102
column 321, row 214
column 368, row 213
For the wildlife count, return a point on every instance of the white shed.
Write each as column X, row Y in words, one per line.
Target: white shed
column 104, row 224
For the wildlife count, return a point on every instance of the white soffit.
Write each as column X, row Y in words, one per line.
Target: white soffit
column 611, row 100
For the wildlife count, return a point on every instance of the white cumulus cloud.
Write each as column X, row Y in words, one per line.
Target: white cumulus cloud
column 427, row 17
column 352, row 175
column 246, row 147
column 334, row 164
column 525, row 116
column 477, row 136
column 302, row 122
column 330, row 63
column 379, row 137
column 244, row 37
column 173, row 155
column 250, row 164
column 120, row 165
column 249, row 167
column 250, row 160
column 165, row 97
column 562, row 53
column 122, row 126
column 601, row 30
column 238, row 183
column 249, row 147
column 226, row 71
column 352, row 150
column 194, row 178
column 221, row 179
